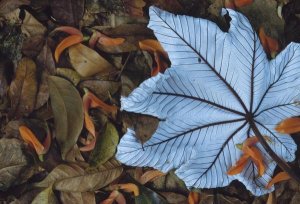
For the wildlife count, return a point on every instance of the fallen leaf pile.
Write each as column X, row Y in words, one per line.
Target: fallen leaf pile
column 207, row 101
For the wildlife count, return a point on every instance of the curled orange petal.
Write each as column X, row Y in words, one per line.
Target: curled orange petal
column 29, row 137
column 104, row 40
column 282, row 176
column 289, row 126
column 68, row 29
column 269, row 44
column 152, row 46
column 97, row 103
column 65, row 43
column 88, row 122
column 239, row 166
column 115, row 196
column 257, row 158
column 127, row 187
column 194, row 197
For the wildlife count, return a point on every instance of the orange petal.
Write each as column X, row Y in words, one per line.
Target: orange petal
column 282, row 176
column 257, row 158
column 127, row 187
column 68, row 29
column 97, row 103
column 47, row 141
column 194, row 197
column 31, row 139
column 241, row 3
column 250, row 141
column 88, row 122
column 104, row 40
column 65, row 43
column 115, row 196
column 269, row 44
column 289, row 126
column 152, row 46
column 150, row 176
column 239, row 166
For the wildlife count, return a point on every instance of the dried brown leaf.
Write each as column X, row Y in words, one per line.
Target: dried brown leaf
column 23, row 89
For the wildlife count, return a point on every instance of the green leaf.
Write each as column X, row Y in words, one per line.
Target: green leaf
column 105, row 146
column 45, row 197
column 73, row 178
column 68, row 112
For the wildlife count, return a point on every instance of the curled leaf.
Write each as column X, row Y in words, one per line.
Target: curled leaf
column 282, row 176
column 65, row 43
column 289, row 126
column 194, row 197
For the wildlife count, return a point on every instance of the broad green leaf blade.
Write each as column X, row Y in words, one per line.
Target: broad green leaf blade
column 218, row 86
column 67, row 109
column 106, row 145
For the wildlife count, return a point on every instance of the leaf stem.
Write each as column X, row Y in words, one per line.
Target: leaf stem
column 281, row 163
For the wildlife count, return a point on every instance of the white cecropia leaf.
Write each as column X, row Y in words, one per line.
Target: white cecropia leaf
column 219, row 86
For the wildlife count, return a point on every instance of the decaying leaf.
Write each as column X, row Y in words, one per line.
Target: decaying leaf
column 23, row 89
column 67, row 12
column 115, row 196
column 78, row 197
column 45, row 59
column 69, row 74
column 13, row 161
column 45, row 196
column 43, row 91
column 220, row 90
column 150, row 176
column 88, row 62
column 134, row 7
column 194, row 197
column 68, row 112
column 127, row 187
column 7, row 6
column 73, row 178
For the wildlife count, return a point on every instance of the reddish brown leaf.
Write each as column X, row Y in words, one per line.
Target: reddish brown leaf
column 134, row 7
column 289, row 126
column 271, row 46
column 242, row 3
column 256, row 157
column 65, row 43
column 194, row 197
column 282, row 176
column 152, row 46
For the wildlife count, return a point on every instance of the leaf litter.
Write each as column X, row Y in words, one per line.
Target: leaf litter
column 45, row 75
